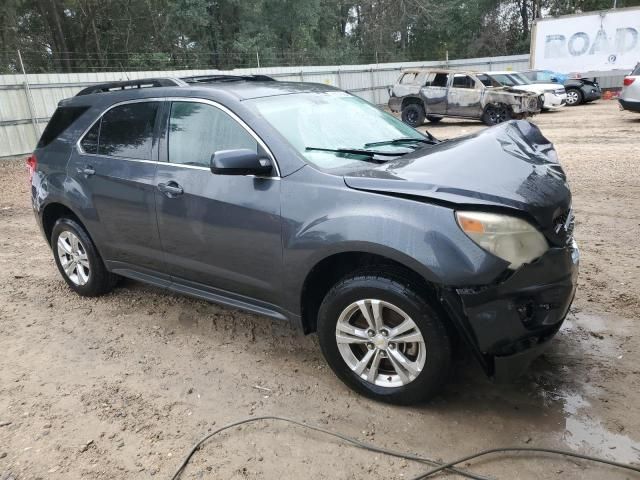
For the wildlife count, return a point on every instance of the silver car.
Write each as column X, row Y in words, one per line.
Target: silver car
column 630, row 97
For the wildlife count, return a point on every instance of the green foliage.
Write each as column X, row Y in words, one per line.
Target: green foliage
column 98, row 35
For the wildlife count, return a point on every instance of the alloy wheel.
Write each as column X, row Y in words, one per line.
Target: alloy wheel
column 572, row 97
column 73, row 258
column 498, row 114
column 380, row 343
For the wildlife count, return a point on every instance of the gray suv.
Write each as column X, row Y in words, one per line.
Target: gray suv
column 307, row 204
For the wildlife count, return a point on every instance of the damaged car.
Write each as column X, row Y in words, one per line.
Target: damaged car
column 550, row 95
column 434, row 94
column 307, row 204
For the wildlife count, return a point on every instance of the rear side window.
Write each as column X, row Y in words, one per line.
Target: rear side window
column 440, row 80
column 636, row 71
column 198, row 130
column 125, row 131
column 90, row 141
column 62, row 119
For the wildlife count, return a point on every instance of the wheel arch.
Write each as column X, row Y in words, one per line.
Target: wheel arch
column 410, row 99
column 52, row 212
column 327, row 271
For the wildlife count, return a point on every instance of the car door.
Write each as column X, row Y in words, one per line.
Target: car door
column 113, row 169
column 220, row 233
column 464, row 97
column 434, row 94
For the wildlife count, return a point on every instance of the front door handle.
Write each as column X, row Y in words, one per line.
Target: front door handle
column 88, row 170
column 170, row 189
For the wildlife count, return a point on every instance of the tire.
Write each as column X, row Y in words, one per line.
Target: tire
column 397, row 300
column 496, row 113
column 86, row 273
column 413, row 114
column 574, row 97
column 433, row 119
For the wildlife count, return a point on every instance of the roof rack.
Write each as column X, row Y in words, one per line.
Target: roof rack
column 227, row 78
column 129, row 84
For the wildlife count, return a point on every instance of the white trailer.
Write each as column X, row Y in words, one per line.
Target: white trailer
column 595, row 41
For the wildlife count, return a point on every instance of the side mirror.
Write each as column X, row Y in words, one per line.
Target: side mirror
column 240, row 162
column 554, row 80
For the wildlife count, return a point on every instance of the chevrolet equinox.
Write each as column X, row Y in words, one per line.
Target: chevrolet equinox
column 304, row 203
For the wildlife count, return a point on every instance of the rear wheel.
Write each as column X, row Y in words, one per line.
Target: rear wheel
column 496, row 113
column 383, row 339
column 78, row 260
column 413, row 114
column 574, row 97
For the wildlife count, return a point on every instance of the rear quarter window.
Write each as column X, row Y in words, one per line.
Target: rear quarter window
column 408, row 78
column 62, row 119
column 636, row 71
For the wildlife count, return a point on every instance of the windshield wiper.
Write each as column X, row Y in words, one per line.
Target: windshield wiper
column 399, row 141
column 354, row 151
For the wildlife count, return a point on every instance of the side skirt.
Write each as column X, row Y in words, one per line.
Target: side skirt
column 218, row 296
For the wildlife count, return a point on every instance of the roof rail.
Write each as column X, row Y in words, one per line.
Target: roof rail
column 129, row 84
column 227, row 78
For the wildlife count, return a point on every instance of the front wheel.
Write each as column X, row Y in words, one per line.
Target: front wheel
column 384, row 340
column 574, row 97
column 495, row 114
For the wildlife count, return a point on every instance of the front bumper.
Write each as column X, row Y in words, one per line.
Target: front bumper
column 554, row 100
column 508, row 324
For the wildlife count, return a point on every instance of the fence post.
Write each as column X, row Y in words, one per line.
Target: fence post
column 30, row 103
column 258, row 58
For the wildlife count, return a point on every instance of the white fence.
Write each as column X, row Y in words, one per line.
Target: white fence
column 28, row 101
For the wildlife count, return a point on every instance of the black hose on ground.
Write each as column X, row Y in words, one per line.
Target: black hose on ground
column 438, row 466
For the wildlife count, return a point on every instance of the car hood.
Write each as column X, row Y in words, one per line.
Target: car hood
column 539, row 87
column 511, row 165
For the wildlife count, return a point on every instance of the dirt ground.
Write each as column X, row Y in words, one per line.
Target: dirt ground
column 122, row 386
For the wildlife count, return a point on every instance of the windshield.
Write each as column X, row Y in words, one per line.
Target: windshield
column 507, row 80
column 316, row 122
column 521, row 78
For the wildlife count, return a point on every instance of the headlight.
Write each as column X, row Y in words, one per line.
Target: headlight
column 510, row 238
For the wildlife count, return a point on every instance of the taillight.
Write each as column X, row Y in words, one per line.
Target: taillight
column 32, row 164
column 628, row 81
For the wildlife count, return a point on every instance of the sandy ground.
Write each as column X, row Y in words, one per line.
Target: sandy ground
column 123, row 385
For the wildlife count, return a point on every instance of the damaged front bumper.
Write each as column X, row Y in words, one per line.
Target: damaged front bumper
column 510, row 323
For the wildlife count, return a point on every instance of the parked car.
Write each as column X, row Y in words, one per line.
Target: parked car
column 304, row 203
column 630, row 96
column 550, row 95
column 579, row 90
column 435, row 94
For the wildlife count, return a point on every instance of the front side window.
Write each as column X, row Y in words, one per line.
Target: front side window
column 127, row 131
column 335, row 120
column 198, row 130
column 440, row 80
column 463, row 81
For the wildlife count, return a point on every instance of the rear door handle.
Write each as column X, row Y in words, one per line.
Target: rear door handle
column 88, row 170
column 170, row 189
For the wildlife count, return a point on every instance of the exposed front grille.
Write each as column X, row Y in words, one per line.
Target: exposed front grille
column 560, row 91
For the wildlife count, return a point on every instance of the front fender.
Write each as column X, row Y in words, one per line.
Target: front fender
column 323, row 217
